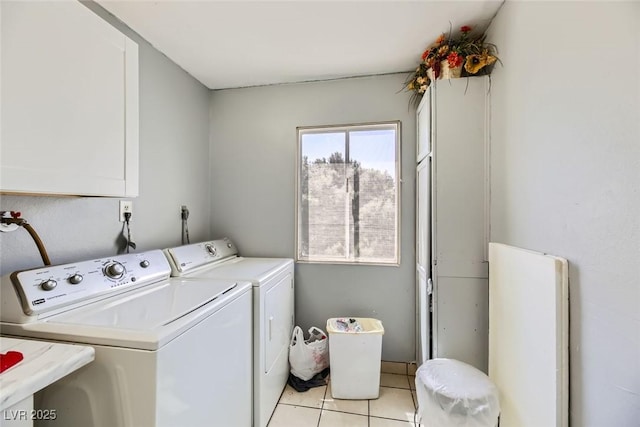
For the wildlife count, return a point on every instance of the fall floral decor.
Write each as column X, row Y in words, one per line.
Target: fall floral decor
column 449, row 57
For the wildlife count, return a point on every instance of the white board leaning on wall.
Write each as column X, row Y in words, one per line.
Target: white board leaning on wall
column 529, row 336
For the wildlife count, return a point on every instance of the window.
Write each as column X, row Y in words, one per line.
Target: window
column 348, row 194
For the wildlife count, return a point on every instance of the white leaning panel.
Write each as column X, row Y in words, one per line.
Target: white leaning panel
column 529, row 336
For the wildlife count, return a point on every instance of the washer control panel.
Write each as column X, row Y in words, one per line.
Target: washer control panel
column 189, row 257
column 51, row 287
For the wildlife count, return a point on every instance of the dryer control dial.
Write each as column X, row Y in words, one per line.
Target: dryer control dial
column 75, row 279
column 48, row 285
column 115, row 270
column 213, row 251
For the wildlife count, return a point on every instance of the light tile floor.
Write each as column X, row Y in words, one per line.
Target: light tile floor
column 395, row 407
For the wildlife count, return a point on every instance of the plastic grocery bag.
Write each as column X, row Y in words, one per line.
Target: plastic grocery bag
column 308, row 357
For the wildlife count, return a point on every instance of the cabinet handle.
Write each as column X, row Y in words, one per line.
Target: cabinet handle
column 270, row 328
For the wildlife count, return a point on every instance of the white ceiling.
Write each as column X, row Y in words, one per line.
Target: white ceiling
column 239, row 43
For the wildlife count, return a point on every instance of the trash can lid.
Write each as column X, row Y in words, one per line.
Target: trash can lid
column 456, row 391
column 456, row 380
column 354, row 325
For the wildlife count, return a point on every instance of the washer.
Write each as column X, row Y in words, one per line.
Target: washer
column 169, row 352
column 273, row 309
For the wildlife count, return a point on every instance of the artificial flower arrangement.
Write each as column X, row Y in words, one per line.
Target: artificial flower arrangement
column 451, row 58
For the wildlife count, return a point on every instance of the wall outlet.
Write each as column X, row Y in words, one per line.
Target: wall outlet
column 125, row 206
column 5, row 227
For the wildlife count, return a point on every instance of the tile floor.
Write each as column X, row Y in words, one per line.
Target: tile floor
column 316, row 408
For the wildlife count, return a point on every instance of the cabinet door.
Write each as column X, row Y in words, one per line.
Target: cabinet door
column 461, row 177
column 69, row 102
column 423, row 214
column 462, row 309
column 423, row 259
column 423, row 318
column 423, row 122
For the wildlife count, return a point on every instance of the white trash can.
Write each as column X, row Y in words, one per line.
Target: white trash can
column 453, row 393
column 355, row 350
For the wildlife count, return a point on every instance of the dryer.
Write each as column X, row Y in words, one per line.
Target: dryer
column 273, row 309
column 168, row 352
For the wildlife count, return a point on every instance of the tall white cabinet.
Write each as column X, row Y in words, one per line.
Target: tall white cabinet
column 69, row 122
column 452, row 221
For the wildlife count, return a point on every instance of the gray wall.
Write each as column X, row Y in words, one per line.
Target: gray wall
column 566, row 176
column 174, row 170
column 253, row 159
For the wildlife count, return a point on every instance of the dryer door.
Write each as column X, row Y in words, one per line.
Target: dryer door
column 278, row 322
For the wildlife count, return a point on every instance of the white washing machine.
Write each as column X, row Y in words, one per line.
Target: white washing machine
column 169, row 352
column 273, row 309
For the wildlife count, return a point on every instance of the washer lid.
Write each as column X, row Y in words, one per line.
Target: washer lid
column 256, row 270
column 146, row 319
column 150, row 310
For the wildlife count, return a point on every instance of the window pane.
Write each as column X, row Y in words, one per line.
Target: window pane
column 320, row 146
column 348, row 194
column 374, row 217
column 323, row 183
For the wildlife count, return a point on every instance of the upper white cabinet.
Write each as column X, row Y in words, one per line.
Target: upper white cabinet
column 460, row 189
column 69, row 117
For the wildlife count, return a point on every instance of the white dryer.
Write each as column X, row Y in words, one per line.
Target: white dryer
column 273, row 309
column 168, row 352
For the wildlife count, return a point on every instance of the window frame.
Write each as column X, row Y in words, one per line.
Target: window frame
column 301, row 130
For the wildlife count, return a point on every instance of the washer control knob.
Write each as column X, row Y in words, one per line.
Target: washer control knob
column 75, row 279
column 229, row 245
column 213, row 251
column 48, row 285
column 114, row 270
column 144, row 263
